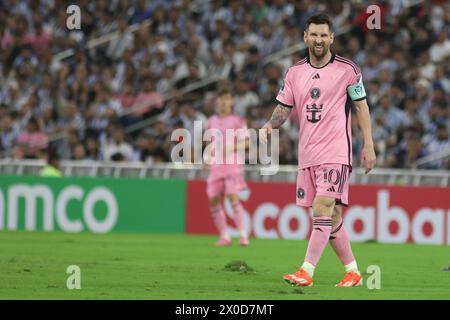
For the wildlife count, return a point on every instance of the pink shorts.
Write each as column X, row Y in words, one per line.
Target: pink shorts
column 221, row 186
column 330, row 179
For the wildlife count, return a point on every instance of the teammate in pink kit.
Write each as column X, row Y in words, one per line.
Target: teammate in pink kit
column 226, row 179
column 321, row 88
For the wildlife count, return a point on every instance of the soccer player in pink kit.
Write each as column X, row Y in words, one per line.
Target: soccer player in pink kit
column 227, row 179
column 321, row 88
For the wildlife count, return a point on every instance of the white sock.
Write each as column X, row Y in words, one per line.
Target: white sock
column 352, row 266
column 309, row 268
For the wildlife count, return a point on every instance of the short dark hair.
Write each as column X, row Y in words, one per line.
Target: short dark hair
column 320, row 18
column 224, row 91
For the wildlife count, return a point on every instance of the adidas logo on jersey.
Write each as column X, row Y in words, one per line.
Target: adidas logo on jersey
column 316, row 76
column 331, row 189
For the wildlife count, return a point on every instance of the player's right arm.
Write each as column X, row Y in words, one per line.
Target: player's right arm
column 285, row 99
column 279, row 116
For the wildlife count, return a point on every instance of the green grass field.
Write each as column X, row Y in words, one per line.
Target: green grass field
column 150, row 266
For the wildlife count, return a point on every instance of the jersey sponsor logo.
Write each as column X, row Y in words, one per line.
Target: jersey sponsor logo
column 314, row 112
column 315, row 93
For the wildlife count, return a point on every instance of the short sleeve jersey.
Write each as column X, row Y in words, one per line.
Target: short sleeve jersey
column 322, row 98
column 237, row 131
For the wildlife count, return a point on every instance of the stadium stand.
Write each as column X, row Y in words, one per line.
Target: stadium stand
column 137, row 70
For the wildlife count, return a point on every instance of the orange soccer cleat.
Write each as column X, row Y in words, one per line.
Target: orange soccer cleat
column 300, row 278
column 351, row 279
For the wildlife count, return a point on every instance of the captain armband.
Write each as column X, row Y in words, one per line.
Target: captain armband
column 357, row 91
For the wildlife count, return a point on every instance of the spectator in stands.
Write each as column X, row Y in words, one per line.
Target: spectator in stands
column 245, row 37
column 40, row 39
column 93, row 149
column 393, row 118
column 79, row 152
column 147, row 150
column 440, row 49
column 148, row 102
column 270, row 39
column 155, row 152
column 252, row 66
column 102, row 110
column 411, row 115
column 71, row 118
column 189, row 116
column 408, row 150
column 141, row 148
column 259, row 10
column 141, row 12
column 118, row 149
column 189, row 41
column 171, row 115
column 438, row 143
column 123, row 42
column 66, row 146
column 244, row 97
column 270, row 93
column 32, row 143
column 9, row 132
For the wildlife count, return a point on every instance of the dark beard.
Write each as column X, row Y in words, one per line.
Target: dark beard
column 319, row 56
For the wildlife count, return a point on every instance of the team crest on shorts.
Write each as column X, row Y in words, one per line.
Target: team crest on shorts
column 315, row 93
column 300, row 193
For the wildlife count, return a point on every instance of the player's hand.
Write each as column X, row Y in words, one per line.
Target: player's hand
column 264, row 132
column 368, row 158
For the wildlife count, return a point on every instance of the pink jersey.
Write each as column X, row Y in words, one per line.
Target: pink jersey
column 233, row 122
column 321, row 97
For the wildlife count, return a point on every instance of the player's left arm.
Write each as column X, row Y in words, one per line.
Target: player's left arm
column 368, row 157
column 358, row 94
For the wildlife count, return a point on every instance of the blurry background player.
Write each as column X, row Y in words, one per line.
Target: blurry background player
column 321, row 87
column 227, row 179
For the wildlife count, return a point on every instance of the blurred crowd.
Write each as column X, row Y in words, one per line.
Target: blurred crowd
column 121, row 100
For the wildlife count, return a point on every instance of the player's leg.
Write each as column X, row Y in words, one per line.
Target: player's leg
column 306, row 197
column 238, row 216
column 323, row 207
column 333, row 182
column 322, row 221
column 233, row 184
column 215, row 189
column 340, row 243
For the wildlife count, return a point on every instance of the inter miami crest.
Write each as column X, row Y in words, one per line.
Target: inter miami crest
column 315, row 93
column 300, row 193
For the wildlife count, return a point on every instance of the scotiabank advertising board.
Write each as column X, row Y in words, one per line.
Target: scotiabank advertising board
column 389, row 214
